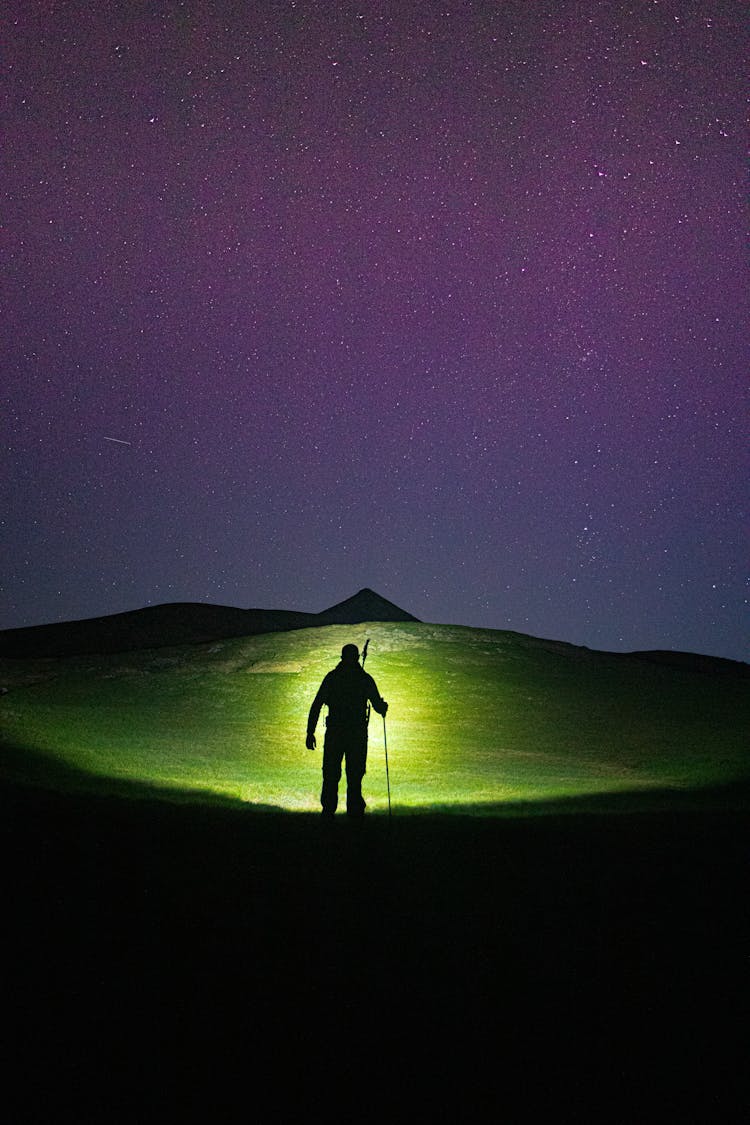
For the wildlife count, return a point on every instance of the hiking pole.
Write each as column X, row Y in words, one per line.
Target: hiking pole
column 385, row 737
column 387, row 774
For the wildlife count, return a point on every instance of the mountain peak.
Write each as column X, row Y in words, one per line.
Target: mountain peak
column 179, row 623
column 365, row 605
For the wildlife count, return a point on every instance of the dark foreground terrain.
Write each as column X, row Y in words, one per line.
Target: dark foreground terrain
column 173, row 962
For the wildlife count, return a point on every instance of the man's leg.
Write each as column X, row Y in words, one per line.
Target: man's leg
column 356, row 765
column 333, row 752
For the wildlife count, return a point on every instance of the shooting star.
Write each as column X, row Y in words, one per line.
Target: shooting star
column 117, row 439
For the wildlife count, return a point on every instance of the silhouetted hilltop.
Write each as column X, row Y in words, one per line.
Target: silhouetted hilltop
column 693, row 662
column 176, row 623
column 365, row 605
column 182, row 623
column 191, row 623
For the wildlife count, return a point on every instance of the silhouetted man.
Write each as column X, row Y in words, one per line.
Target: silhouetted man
column 346, row 690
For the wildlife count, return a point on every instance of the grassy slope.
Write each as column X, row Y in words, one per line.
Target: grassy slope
column 165, row 956
column 478, row 718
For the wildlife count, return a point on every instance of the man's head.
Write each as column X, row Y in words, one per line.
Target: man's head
column 350, row 654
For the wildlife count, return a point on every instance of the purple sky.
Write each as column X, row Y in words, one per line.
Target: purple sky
column 442, row 299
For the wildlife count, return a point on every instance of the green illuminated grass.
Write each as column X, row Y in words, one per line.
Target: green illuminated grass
column 478, row 718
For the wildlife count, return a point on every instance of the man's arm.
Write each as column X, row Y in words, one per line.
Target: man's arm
column 314, row 715
column 375, row 698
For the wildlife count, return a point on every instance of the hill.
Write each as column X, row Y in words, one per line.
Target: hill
column 365, row 605
column 479, row 719
column 179, row 914
column 180, row 623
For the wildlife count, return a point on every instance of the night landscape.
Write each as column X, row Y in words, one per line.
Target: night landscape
column 419, row 329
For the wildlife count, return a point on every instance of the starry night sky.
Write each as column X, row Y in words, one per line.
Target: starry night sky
column 442, row 299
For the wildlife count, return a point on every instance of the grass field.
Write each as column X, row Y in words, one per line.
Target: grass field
column 478, row 719
column 169, row 944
